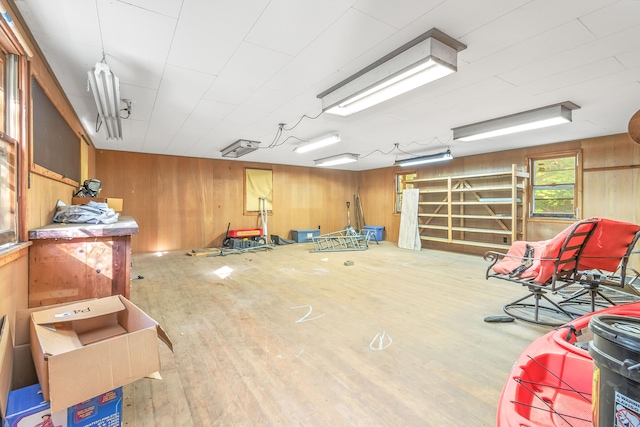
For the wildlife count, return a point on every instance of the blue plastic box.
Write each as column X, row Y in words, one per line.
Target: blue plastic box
column 301, row 236
column 377, row 230
column 26, row 408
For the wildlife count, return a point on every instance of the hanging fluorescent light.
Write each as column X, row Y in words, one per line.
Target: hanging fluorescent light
column 337, row 160
column 431, row 158
column 426, row 58
column 528, row 120
column 106, row 91
column 316, row 143
column 240, row 148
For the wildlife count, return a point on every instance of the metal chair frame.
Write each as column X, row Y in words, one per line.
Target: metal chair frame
column 565, row 272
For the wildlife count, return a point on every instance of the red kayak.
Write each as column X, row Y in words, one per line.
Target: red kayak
column 551, row 382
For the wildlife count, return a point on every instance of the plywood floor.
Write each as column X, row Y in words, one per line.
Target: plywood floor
column 293, row 338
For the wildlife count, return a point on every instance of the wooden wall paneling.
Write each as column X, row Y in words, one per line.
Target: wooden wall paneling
column 186, row 203
column 42, row 197
column 14, row 286
column 209, row 192
column 115, row 171
column 227, row 199
column 301, row 199
column 610, row 151
column 377, row 194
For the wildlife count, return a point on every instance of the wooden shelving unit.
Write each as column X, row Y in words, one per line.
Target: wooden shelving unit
column 486, row 210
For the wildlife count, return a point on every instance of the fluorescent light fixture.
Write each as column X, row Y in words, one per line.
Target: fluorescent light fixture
column 316, row 143
column 426, row 58
column 431, row 158
column 340, row 159
column 240, row 148
column 533, row 119
column 106, row 91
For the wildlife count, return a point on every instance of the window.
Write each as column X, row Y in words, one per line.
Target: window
column 8, row 210
column 400, row 184
column 555, row 181
column 258, row 184
column 8, row 149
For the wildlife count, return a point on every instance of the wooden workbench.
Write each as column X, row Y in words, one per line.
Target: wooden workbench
column 70, row 262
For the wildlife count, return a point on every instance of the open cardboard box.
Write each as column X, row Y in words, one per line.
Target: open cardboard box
column 21, row 403
column 84, row 349
column 16, row 364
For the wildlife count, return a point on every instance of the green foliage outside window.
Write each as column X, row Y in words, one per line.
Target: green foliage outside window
column 554, row 183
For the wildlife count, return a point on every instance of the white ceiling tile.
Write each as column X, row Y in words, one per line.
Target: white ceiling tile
column 333, row 52
column 205, row 38
column 170, row 8
column 70, row 20
column 142, row 99
column 180, row 92
column 398, row 14
column 580, row 55
column 169, row 54
column 205, row 117
column 525, row 22
column 123, row 41
column 247, row 70
column 288, row 26
column 574, row 77
column 615, row 17
column 629, row 59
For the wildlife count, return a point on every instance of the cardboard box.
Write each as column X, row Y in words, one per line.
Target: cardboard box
column 113, row 203
column 84, row 349
column 27, row 408
column 17, row 370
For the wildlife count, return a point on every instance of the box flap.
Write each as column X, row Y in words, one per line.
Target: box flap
column 23, row 319
column 164, row 337
column 6, row 363
column 101, row 367
column 138, row 319
column 96, row 335
column 78, row 311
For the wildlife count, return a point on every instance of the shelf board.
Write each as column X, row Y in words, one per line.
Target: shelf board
column 433, row 227
column 482, row 244
column 487, row 188
column 434, row 190
column 466, row 242
column 506, row 202
column 466, row 229
column 464, row 216
column 492, row 217
column 435, row 239
column 519, row 174
column 481, row 230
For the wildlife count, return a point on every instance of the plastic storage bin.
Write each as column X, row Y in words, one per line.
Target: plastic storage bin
column 377, row 231
column 301, row 236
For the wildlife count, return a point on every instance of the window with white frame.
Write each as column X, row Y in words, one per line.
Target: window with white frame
column 554, row 186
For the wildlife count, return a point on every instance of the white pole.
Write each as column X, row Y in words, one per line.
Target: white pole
column 264, row 217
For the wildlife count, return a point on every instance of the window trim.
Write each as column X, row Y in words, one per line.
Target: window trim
column 577, row 153
column 396, row 174
column 246, row 206
column 10, row 236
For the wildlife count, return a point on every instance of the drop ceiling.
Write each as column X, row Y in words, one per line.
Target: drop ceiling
column 203, row 74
